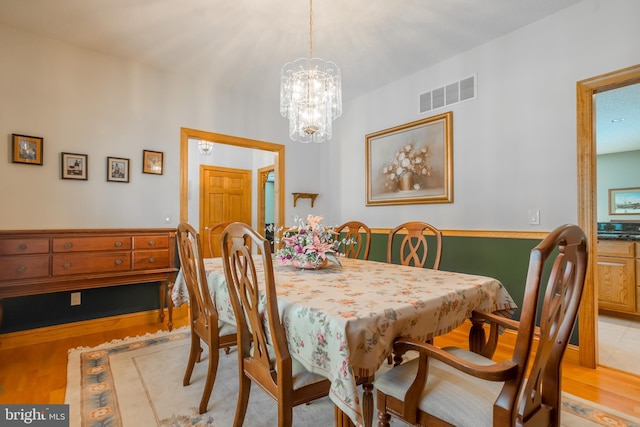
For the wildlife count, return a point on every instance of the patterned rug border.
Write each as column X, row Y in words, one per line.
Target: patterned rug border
column 98, row 400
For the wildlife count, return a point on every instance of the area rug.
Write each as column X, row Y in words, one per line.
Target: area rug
column 138, row 382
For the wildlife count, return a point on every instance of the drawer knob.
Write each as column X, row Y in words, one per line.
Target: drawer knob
column 68, row 245
column 22, row 269
column 152, row 242
column 22, row 247
column 118, row 261
column 118, row 244
column 152, row 259
column 67, row 265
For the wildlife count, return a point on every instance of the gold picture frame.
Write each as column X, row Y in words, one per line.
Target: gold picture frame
column 411, row 163
column 26, row 149
column 152, row 162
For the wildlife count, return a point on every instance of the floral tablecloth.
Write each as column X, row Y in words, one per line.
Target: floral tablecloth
column 341, row 322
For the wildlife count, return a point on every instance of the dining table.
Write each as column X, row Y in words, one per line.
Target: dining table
column 341, row 320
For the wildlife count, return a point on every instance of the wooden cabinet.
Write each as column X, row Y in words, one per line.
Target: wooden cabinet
column 45, row 261
column 616, row 275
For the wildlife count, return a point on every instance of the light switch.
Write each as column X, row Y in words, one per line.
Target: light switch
column 534, row 216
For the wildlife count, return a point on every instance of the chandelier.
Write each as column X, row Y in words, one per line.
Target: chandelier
column 205, row 147
column 310, row 95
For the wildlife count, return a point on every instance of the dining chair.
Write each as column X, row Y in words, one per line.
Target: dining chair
column 454, row 386
column 263, row 352
column 212, row 236
column 203, row 316
column 413, row 248
column 355, row 246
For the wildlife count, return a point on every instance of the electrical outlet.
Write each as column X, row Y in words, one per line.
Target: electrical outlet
column 75, row 298
column 534, row 216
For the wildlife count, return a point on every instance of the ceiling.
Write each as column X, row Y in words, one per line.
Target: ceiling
column 243, row 44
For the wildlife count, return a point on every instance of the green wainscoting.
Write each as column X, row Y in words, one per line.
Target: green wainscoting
column 505, row 258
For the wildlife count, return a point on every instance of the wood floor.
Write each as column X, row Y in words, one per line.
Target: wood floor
column 38, row 373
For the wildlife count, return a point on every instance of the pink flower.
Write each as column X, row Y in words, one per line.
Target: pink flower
column 314, row 220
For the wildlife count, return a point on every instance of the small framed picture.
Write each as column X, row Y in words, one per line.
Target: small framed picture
column 152, row 162
column 74, row 166
column 624, row 201
column 117, row 169
column 26, row 149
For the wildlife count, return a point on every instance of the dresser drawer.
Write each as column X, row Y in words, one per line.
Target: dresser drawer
column 616, row 248
column 24, row 246
column 150, row 242
column 96, row 262
column 24, row 267
column 149, row 260
column 98, row 243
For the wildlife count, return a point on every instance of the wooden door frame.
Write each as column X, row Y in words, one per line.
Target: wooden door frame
column 587, row 201
column 194, row 134
column 263, row 176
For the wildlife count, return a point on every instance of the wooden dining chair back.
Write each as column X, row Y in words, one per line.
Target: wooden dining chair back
column 213, row 235
column 454, row 386
column 357, row 238
column 408, row 244
column 203, row 317
column 263, row 352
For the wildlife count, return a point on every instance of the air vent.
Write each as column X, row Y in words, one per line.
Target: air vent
column 449, row 94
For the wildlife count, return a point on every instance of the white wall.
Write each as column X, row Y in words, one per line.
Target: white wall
column 515, row 145
column 84, row 102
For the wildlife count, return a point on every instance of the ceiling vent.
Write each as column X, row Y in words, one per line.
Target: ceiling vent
column 452, row 93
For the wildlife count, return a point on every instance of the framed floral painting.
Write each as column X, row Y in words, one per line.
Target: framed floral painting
column 152, row 162
column 411, row 163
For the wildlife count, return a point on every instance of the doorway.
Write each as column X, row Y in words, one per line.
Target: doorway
column 194, row 135
column 587, row 202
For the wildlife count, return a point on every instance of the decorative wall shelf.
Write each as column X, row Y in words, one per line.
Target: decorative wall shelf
column 297, row 196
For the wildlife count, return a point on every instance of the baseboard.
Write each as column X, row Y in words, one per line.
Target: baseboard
column 57, row 332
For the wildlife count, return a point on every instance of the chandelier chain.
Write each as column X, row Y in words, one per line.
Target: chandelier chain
column 310, row 29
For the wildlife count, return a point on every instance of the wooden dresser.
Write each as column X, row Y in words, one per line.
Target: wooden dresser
column 44, row 261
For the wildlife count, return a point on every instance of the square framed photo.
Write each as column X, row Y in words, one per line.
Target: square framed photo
column 74, row 166
column 117, row 169
column 411, row 163
column 26, row 149
column 152, row 162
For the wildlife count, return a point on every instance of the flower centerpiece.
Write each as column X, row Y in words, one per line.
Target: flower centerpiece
column 309, row 244
column 408, row 168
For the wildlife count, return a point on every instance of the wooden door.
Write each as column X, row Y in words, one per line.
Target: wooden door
column 225, row 195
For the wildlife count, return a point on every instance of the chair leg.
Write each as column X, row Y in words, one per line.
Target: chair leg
column 383, row 419
column 285, row 412
column 243, row 399
column 212, row 370
column 194, row 354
